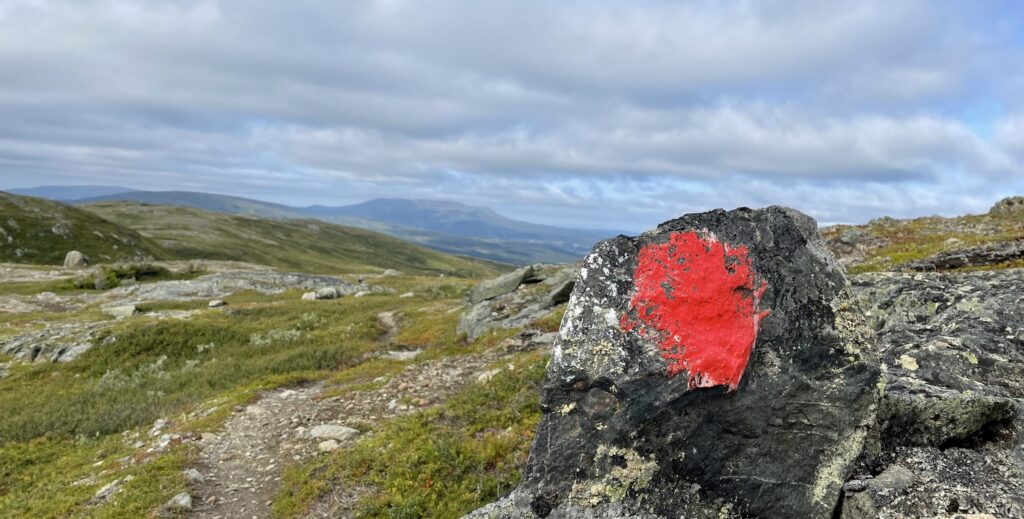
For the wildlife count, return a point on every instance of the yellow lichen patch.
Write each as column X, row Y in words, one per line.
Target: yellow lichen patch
column 831, row 474
column 621, row 470
column 907, row 362
column 972, row 358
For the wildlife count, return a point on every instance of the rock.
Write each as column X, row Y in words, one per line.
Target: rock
column 406, row 295
column 120, row 311
column 487, row 375
column 950, row 418
column 309, row 296
column 177, row 505
column 970, row 257
column 327, row 446
column 339, row 433
column 216, row 303
column 1009, row 206
column 362, row 293
column 402, row 356
column 107, row 491
column 390, row 272
column 520, row 307
column 715, row 367
column 500, row 285
column 327, row 293
column 75, row 259
column 855, row 485
column 194, row 477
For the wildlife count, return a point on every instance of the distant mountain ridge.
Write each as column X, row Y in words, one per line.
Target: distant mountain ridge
column 447, row 226
column 69, row 193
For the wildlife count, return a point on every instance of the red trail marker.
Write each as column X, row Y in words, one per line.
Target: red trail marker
column 700, row 296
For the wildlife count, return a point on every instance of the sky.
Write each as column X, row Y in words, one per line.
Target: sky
column 600, row 113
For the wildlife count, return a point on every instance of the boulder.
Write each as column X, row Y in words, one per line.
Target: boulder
column 177, row 505
column 500, row 285
column 969, row 257
column 550, row 286
column 309, row 296
column 120, row 311
column 75, row 259
column 217, row 303
column 714, row 367
column 327, row 293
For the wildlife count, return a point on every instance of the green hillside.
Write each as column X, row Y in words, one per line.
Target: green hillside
column 35, row 230
column 307, row 245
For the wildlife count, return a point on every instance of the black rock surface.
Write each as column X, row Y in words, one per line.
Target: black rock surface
column 639, row 424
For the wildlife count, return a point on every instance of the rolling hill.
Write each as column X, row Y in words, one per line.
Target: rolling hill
column 69, row 193
column 308, row 245
column 36, row 230
column 445, row 226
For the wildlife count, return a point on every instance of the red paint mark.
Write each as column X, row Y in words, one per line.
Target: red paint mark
column 700, row 297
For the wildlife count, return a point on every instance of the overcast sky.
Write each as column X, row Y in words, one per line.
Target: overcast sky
column 615, row 114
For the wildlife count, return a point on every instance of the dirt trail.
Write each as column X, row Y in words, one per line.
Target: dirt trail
column 242, row 465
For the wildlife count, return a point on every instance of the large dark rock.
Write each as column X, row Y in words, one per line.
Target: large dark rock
column 714, row 367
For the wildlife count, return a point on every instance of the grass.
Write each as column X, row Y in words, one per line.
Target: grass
column 443, row 462
column 903, row 241
column 67, row 428
column 303, row 245
column 34, row 230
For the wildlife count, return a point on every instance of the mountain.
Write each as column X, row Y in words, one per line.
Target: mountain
column 69, row 193
column 307, row 245
column 445, row 226
column 36, row 230
column 206, row 201
column 457, row 219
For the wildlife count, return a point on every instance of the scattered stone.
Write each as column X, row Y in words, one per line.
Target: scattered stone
column 487, row 375
column 217, row 303
column 339, row 433
column 327, row 293
column 107, row 491
column 402, row 356
column 120, row 311
column 75, row 259
column 520, row 307
column 855, row 485
column 309, row 296
column 741, row 384
column 407, row 295
column 194, row 477
column 362, row 293
column 177, row 505
column 327, row 446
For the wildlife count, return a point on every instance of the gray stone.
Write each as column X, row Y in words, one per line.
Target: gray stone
column 970, row 257
column 176, row 505
column 217, row 303
column 309, row 296
column 327, row 293
column 1009, row 206
column 339, row 433
column 520, row 307
column 75, row 259
column 500, row 285
column 402, row 356
column 641, row 418
column 194, row 477
column 120, row 311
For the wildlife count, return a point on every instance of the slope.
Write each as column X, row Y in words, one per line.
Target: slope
column 205, row 201
column 35, row 230
column 307, row 245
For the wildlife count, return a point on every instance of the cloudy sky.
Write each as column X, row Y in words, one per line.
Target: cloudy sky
column 615, row 114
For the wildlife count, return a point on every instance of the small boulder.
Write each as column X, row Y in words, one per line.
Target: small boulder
column 309, row 296
column 75, row 259
column 327, row 446
column 120, row 311
column 217, row 303
column 194, row 477
column 177, row 505
column 338, row 433
column 1009, row 206
column 327, row 293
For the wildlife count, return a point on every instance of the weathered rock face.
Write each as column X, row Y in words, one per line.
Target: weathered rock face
column 714, row 367
column 75, row 259
column 951, row 414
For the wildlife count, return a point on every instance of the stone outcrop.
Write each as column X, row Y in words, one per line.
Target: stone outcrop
column 517, row 298
column 970, row 257
column 1009, row 206
column 714, row 367
column 950, row 418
